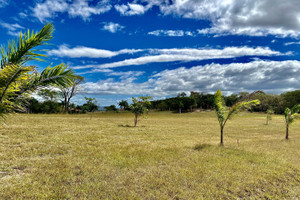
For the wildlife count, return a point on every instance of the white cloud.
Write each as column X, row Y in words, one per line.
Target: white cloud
column 81, row 8
column 171, row 33
column 23, row 15
column 49, row 8
column 239, row 17
column 186, row 55
column 269, row 76
column 12, row 29
column 76, row 8
column 291, row 43
column 131, row 9
column 81, row 51
column 112, row 27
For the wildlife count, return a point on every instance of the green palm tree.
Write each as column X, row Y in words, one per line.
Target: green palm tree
column 18, row 80
column 291, row 115
column 224, row 113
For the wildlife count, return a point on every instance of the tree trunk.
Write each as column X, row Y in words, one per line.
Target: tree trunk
column 287, row 133
column 221, row 143
column 191, row 108
column 267, row 122
column 179, row 110
column 66, row 106
column 135, row 120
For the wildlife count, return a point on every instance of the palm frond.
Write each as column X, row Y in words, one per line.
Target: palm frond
column 11, row 74
column 291, row 115
column 220, row 107
column 21, row 51
column 241, row 106
column 57, row 76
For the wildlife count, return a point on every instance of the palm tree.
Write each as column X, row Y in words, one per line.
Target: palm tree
column 18, row 80
column 224, row 113
column 291, row 115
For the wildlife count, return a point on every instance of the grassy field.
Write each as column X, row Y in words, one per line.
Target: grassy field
column 168, row 156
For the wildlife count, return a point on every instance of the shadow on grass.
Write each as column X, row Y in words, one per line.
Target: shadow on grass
column 128, row 126
column 200, row 147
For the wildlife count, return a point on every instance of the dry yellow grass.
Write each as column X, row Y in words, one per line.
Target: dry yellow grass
column 168, row 156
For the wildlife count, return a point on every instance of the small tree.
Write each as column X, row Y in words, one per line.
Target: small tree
column 139, row 107
column 90, row 105
column 291, row 115
column 69, row 91
column 270, row 112
column 224, row 113
column 111, row 108
column 124, row 105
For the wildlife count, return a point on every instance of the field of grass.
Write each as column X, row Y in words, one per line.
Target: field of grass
column 168, row 156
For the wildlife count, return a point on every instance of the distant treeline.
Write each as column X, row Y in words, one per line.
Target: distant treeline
column 48, row 107
column 52, row 104
column 181, row 103
column 184, row 103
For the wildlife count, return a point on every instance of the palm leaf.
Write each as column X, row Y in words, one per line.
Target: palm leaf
column 21, row 51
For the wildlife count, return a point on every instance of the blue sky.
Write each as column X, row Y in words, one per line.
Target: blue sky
column 163, row 47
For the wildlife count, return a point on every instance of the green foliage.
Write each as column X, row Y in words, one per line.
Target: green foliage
column 124, row 105
column 21, row 51
column 162, row 106
column 224, row 113
column 111, row 108
column 90, row 105
column 291, row 98
column 139, row 106
column 291, row 115
column 49, row 95
column 17, row 80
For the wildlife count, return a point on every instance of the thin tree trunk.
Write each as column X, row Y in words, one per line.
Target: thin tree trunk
column 135, row 120
column 287, row 133
column 221, row 143
column 179, row 110
column 267, row 122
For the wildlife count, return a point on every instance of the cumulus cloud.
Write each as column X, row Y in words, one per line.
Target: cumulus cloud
column 239, row 17
column 81, row 51
column 77, row 8
column 112, row 27
column 186, row 55
column 131, row 9
column 12, row 29
column 171, row 33
column 269, row 76
column 242, row 17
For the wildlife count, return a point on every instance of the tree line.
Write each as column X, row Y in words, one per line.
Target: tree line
column 202, row 101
